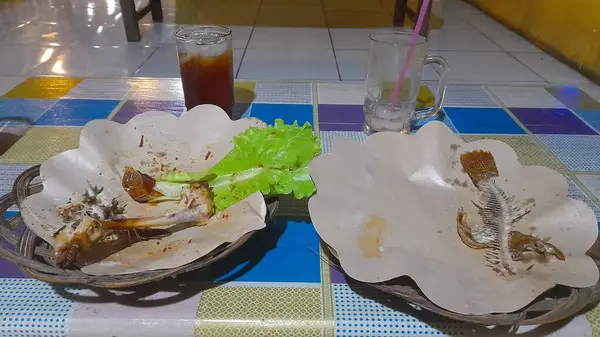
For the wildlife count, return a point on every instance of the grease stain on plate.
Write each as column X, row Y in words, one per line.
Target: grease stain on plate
column 369, row 240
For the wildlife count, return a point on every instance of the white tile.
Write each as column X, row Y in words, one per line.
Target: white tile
column 482, row 22
column 549, row 68
column 8, row 83
column 99, row 35
column 79, row 61
column 237, row 60
column 35, row 34
column 17, row 60
column 352, row 64
column 592, row 182
column 510, row 41
column 162, row 63
column 591, row 89
column 450, row 20
column 429, row 73
column 486, row 67
column 240, row 35
column 460, row 38
column 13, row 16
column 526, row 97
column 63, row 16
column 95, row 88
column 168, row 89
column 289, row 63
column 466, row 96
column 276, row 38
column 351, row 38
column 341, row 93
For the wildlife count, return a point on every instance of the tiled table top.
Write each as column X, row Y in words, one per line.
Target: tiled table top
column 277, row 284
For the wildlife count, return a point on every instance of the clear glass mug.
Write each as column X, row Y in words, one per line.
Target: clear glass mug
column 387, row 53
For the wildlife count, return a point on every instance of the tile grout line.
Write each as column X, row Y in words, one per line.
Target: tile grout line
column 583, row 188
column 337, row 66
column 536, row 140
column 237, row 73
column 144, row 62
column 504, row 50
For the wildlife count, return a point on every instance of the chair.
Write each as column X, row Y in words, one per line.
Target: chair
column 131, row 17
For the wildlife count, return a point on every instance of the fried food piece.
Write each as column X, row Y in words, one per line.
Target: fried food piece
column 499, row 213
column 196, row 206
column 138, row 185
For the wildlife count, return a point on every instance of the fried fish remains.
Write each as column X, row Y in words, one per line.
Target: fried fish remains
column 499, row 213
column 93, row 220
column 138, row 185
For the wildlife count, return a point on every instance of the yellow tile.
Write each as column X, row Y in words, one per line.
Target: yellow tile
column 358, row 19
column 43, row 87
column 41, row 143
column 244, row 91
column 291, row 16
column 425, row 97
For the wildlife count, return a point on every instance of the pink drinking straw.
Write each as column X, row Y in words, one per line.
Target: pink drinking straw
column 411, row 51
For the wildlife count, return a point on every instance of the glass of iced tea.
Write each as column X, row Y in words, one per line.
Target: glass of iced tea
column 206, row 65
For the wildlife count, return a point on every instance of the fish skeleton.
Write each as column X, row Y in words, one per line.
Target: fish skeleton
column 499, row 213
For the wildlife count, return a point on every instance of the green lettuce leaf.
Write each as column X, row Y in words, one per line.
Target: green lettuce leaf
column 273, row 160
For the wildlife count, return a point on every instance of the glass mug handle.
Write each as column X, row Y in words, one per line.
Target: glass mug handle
column 441, row 90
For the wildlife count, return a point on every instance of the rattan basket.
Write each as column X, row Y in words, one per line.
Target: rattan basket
column 555, row 304
column 35, row 257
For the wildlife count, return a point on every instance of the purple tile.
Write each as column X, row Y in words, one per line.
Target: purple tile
column 337, row 276
column 552, row 121
column 340, row 127
column 347, row 114
column 136, row 107
column 9, row 270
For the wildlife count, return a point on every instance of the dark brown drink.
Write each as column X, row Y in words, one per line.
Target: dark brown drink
column 206, row 66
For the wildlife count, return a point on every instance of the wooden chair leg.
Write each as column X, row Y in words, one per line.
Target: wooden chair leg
column 156, row 10
column 400, row 12
column 130, row 20
column 425, row 27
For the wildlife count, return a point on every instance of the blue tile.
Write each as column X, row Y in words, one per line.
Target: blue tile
column 288, row 112
column 10, row 214
column 285, row 251
column 592, row 117
column 483, row 121
column 77, row 112
column 31, row 109
column 441, row 116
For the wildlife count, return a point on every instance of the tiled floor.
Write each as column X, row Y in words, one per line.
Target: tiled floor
column 86, row 39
